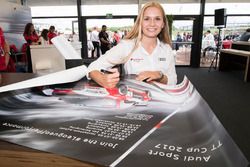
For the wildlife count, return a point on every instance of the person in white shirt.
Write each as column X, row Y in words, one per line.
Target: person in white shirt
column 43, row 38
column 208, row 44
column 145, row 51
column 208, row 40
column 96, row 42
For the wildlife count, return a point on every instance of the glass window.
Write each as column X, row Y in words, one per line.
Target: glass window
column 110, row 23
column 120, row 25
column 50, row 11
column 176, row 7
column 238, row 22
column 236, row 25
column 49, row 2
column 181, row 8
column 103, row 10
column 208, row 23
column 182, row 41
column 231, row 8
column 62, row 25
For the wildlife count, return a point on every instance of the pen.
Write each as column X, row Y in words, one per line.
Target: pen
column 106, row 71
column 145, row 80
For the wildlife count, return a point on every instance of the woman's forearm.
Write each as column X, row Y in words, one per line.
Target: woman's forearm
column 97, row 76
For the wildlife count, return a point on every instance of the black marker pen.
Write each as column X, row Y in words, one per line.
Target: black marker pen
column 145, row 80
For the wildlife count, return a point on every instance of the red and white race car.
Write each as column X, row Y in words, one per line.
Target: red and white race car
column 122, row 93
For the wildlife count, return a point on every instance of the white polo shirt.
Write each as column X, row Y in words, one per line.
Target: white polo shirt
column 161, row 59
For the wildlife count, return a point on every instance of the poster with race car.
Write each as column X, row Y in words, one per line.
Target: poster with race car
column 193, row 136
column 135, row 124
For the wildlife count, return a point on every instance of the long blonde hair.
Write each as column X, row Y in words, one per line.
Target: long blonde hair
column 136, row 31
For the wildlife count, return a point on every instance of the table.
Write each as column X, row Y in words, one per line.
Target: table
column 232, row 58
column 12, row 155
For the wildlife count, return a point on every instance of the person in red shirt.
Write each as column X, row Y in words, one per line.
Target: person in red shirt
column 30, row 34
column 116, row 38
column 4, row 52
column 51, row 33
column 32, row 38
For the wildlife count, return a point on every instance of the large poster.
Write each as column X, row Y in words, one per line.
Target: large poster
column 135, row 124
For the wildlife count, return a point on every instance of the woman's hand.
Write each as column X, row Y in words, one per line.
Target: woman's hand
column 106, row 80
column 152, row 76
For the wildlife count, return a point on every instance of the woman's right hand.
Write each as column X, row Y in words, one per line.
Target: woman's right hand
column 106, row 80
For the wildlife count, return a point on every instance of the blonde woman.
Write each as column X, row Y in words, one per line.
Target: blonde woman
column 145, row 51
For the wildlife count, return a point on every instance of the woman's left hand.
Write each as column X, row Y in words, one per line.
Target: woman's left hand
column 149, row 76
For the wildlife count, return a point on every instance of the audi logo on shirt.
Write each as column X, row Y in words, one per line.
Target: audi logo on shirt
column 162, row 58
